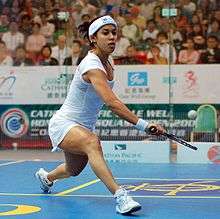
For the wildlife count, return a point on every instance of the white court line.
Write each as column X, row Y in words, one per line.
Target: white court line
column 12, row 162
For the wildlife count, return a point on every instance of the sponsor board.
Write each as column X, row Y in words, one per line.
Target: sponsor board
column 139, row 84
column 206, row 153
column 136, row 151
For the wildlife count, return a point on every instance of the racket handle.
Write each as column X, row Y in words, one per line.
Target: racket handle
column 152, row 129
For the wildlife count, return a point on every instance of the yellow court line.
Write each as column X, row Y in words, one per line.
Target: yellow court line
column 77, row 188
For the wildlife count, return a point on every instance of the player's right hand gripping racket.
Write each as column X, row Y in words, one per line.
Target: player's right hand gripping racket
column 153, row 130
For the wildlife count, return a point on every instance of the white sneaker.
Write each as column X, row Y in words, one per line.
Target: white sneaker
column 124, row 203
column 45, row 184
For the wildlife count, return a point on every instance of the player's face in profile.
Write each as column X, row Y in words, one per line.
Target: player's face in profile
column 106, row 38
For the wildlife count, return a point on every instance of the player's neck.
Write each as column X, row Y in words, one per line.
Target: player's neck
column 102, row 56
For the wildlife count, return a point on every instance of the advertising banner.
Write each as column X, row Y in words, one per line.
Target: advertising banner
column 206, row 153
column 136, row 151
column 26, row 125
column 135, row 84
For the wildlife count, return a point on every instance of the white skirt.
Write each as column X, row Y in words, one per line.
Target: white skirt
column 58, row 128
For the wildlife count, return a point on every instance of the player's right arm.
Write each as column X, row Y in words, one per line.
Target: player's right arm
column 100, row 83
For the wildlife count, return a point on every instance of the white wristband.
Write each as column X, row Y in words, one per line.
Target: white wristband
column 141, row 124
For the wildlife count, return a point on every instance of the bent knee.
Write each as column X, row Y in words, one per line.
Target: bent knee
column 94, row 144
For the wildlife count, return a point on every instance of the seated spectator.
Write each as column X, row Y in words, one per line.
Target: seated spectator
column 130, row 30
column 156, row 57
column 214, row 29
column 137, row 19
column 25, row 26
column 20, row 58
column 196, row 31
column 131, row 57
column 212, row 54
column 189, row 55
column 165, row 48
column 35, row 42
column 47, row 28
column 200, row 43
column 151, row 31
column 76, row 51
column 5, row 59
column 13, row 38
column 3, row 24
column 121, row 45
column 61, row 50
column 45, row 56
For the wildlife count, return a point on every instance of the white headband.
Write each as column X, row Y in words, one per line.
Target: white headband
column 100, row 22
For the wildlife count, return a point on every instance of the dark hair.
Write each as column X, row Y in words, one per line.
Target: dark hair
column 36, row 24
column 2, row 42
column 78, row 42
column 212, row 37
column 21, row 46
column 84, row 29
column 46, row 46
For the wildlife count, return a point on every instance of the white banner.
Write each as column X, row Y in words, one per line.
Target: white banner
column 206, row 153
column 136, row 151
column 144, row 84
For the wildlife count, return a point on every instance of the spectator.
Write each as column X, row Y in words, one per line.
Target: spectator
column 214, row 29
column 138, row 19
column 25, row 26
column 5, row 4
column 188, row 8
column 189, row 55
column 13, row 38
column 47, row 28
column 61, row 51
column 158, row 19
column 121, row 45
column 3, row 24
column 130, row 30
column 156, row 57
column 76, row 51
column 131, row 57
column 35, row 42
column 200, row 43
column 20, row 58
column 45, row 56
column 166, row 50
column 196, row 31
column 5, row 59
column 212, row 53
column 151, row 31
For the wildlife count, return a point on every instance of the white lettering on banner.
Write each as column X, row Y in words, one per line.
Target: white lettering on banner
column 157, row 113
column 41, row 113
column 39, row 123
column 146, row 84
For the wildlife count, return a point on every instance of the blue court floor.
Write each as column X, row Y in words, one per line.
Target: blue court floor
column 164, row 190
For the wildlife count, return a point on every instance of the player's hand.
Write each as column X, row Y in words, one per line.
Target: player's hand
column 155, row 129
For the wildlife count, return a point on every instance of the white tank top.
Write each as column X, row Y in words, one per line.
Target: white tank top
column 82, row 103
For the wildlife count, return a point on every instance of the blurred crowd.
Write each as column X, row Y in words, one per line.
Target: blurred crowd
column 31, row 33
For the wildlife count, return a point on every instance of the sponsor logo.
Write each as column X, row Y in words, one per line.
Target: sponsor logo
column 14, row 123
column 169, row 80
column 57, row 87
column 191, row 188
column 137, row 79
column 214, row 154
column 6, row 85
column 190, row 86
column 120, row 147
